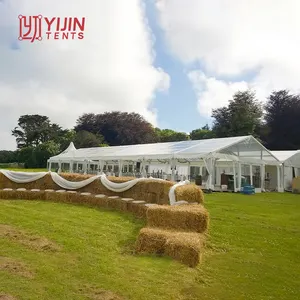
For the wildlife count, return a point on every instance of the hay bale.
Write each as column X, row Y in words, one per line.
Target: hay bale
column 142, row 213
column 190, row 193
column 119, row 203
column 60, row 196
column 53, row 196
column 101, row 200
column 68, row 197
column 36, row 194
column 84, row 197
column 124, row 202
column 182, row 246
column 186, row 248
column 151, row 241
column 113, row 202
column 7, row 194
column 183, row 218
column 23, row 194
column 138, row 208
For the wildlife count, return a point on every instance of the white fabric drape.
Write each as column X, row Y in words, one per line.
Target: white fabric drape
column 71, row 185
column 172, row 196
column 27, row 177
column 23, row 177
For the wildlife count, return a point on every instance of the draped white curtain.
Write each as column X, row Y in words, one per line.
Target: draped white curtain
column 23, row 177
column 172, row 196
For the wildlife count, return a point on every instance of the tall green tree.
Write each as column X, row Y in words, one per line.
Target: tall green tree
column 282, row 121
column 118, row 128
column 85, row 139
column 202, row 133
column 36, row 157
column 43, row 152
column 169, row 135
column 33, row 130
column 8, row 156
column 242, row 116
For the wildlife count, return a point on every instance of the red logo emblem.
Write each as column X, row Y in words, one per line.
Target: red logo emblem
column 30, row 28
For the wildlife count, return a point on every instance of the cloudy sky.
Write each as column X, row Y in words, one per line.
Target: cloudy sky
column 173, row 61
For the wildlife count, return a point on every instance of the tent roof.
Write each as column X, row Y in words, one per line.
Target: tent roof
column 70, row 148
column 245, row 147
column 289, row 158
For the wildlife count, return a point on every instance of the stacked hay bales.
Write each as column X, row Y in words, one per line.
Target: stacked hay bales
column 182, row 246
column 150, row 191
column 175, row 231
column 192, row 218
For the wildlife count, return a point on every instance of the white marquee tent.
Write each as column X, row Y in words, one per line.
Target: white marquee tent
column 290, row 165
column 240, row 157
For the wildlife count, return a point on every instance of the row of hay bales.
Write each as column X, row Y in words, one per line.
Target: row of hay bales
column 175, row 231
column 137, row 207
column 151, row 191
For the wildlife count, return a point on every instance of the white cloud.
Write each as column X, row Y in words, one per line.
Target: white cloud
column 213, row 93
column 110, row 69
column 231, row 38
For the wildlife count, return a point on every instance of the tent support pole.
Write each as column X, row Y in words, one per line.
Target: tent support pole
column 279, row 184
column 189, row 171
column 239, row 176
column 262, row 177
column 283, row 179
column 234, row 177
column 120, row 167
column 173, row 170
column 71, row 167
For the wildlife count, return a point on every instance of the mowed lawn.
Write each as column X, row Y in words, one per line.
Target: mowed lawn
column 253, row 253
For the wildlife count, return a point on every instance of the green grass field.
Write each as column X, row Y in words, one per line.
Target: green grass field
column 253, row 253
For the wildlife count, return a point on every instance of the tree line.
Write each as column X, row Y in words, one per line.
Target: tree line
column 276, row 124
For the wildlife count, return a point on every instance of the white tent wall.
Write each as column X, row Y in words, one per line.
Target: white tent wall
column 290, row 166
column 288, row 178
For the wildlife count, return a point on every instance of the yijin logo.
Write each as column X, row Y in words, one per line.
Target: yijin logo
column 57, row 28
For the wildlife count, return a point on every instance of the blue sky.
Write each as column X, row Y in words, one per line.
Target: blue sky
column 177, row 108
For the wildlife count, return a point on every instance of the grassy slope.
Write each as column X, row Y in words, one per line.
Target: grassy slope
column 253, row 252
